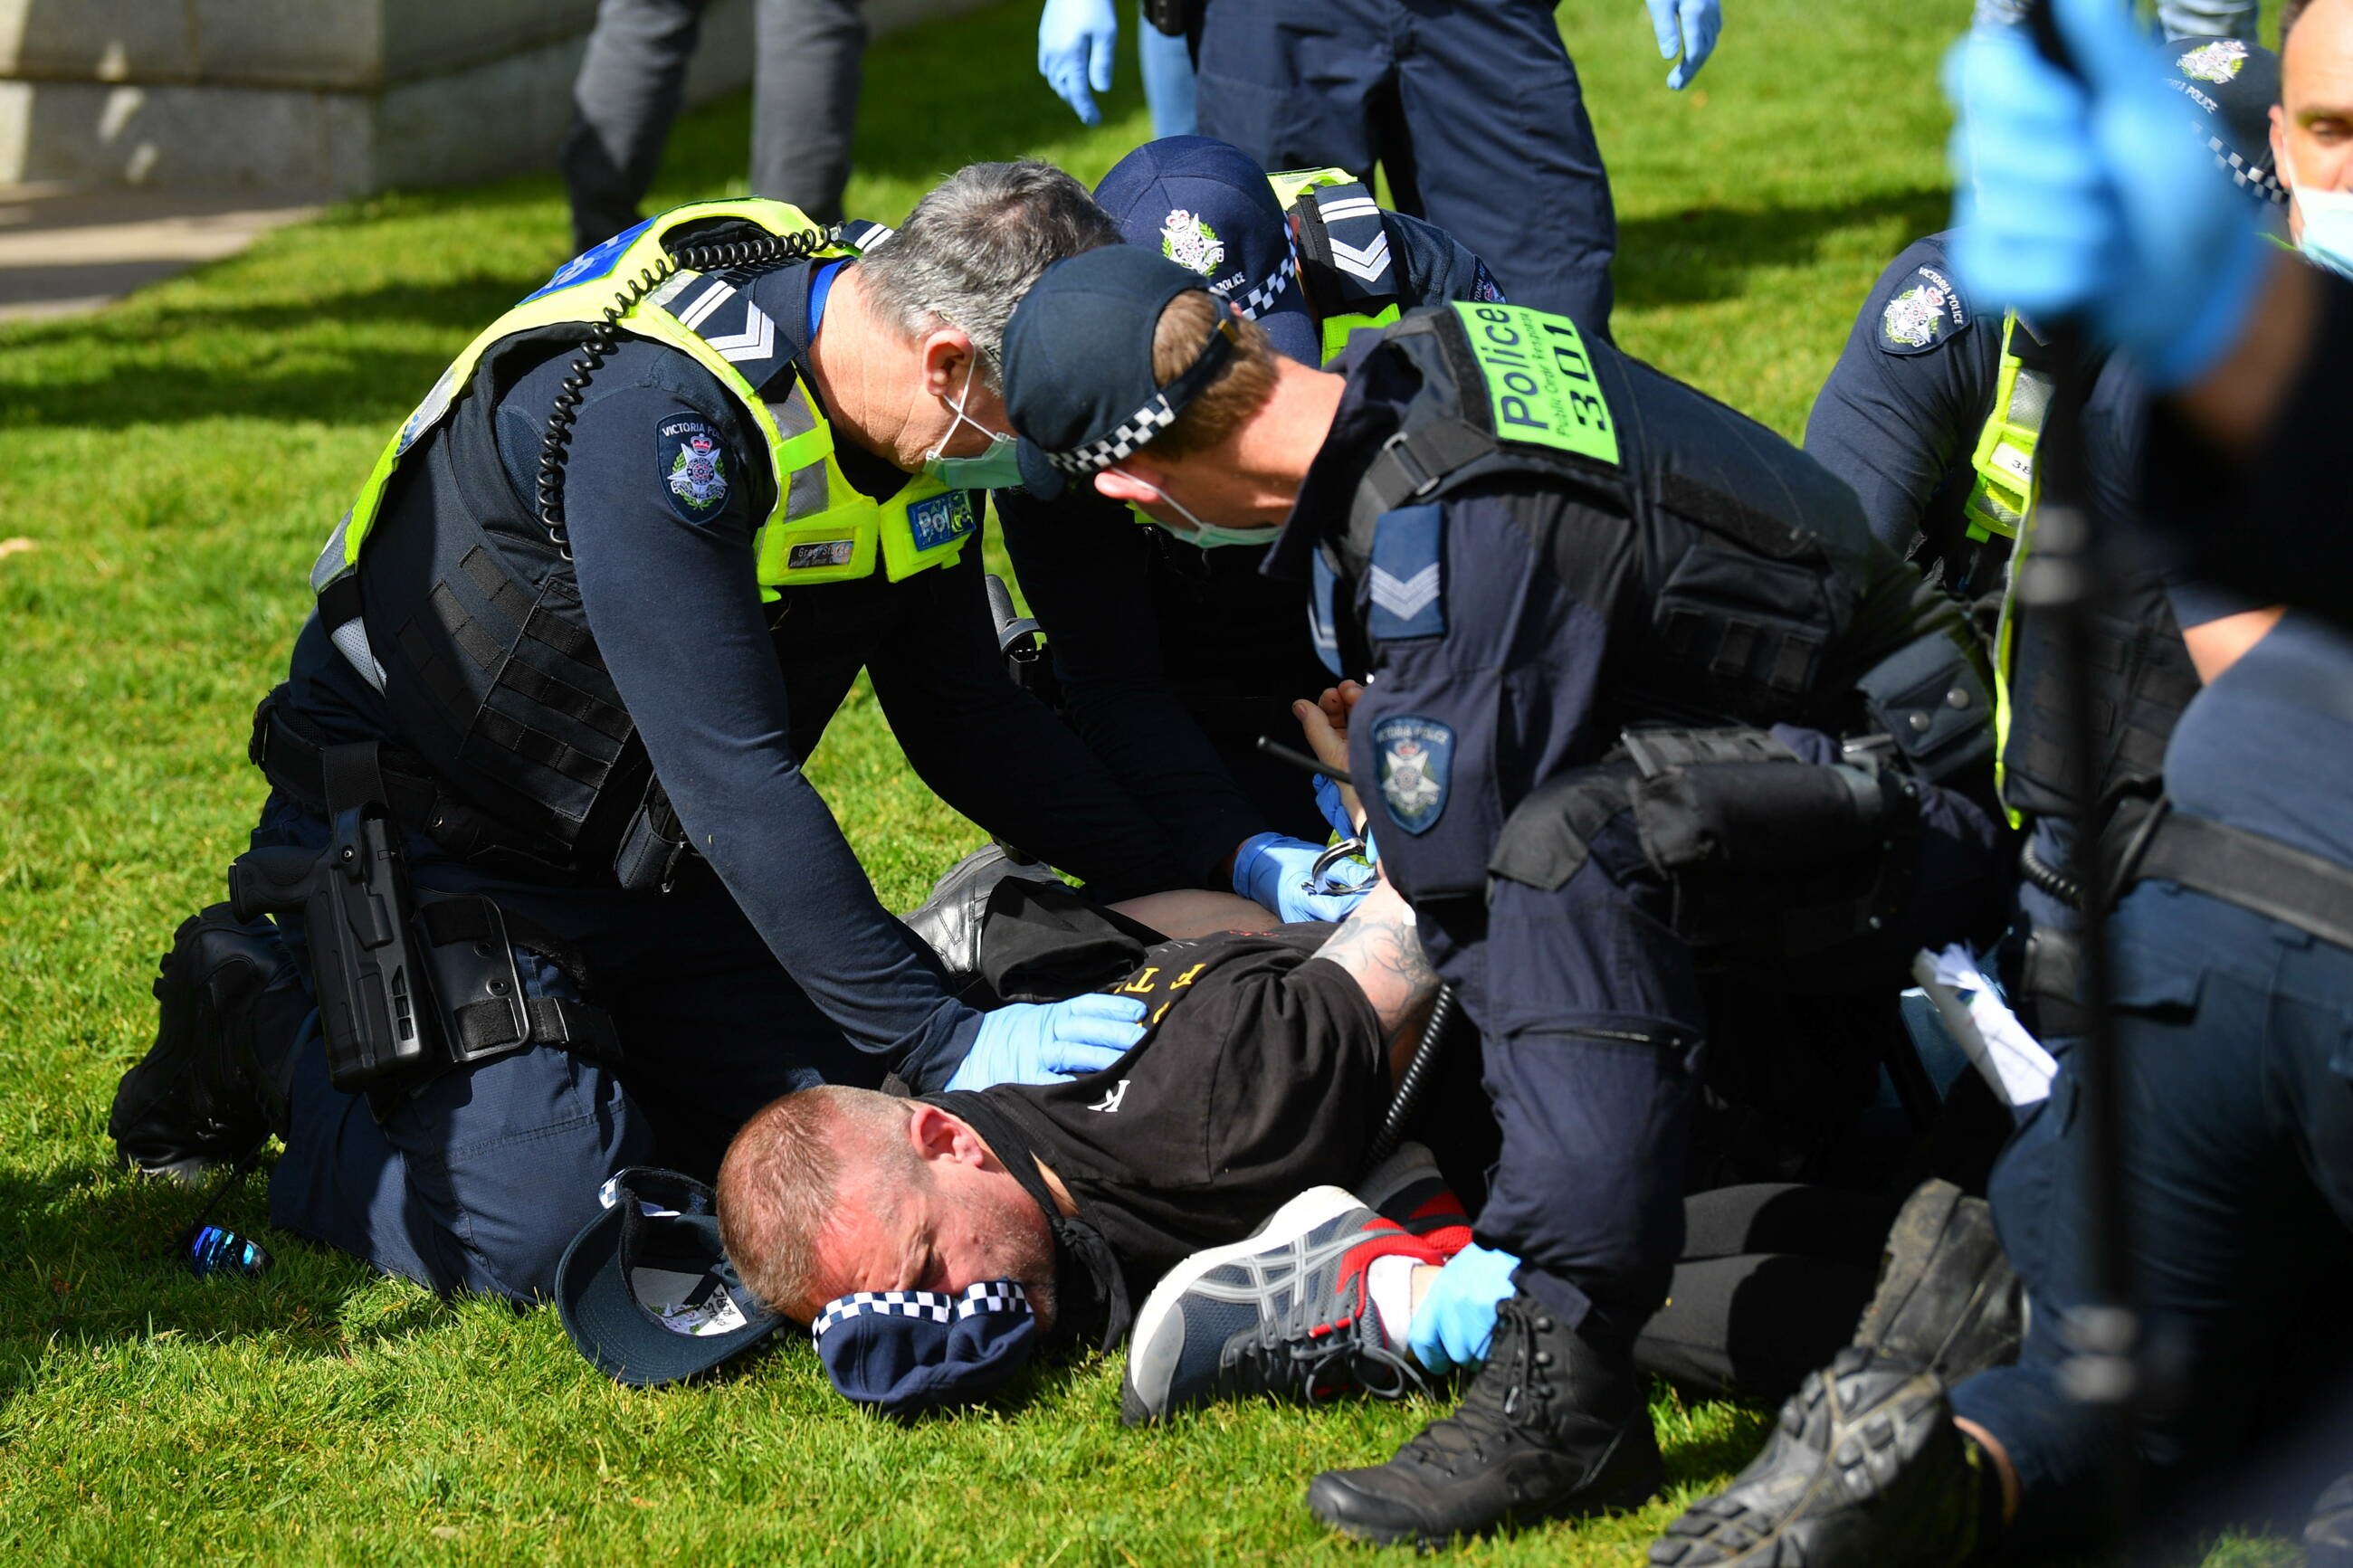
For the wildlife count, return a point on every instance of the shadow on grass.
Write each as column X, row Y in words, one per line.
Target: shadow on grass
column 96, row 1260
column 1705, row 254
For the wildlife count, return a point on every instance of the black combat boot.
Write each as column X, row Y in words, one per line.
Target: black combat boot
column 1864, row 1469
column 1554, row 1425
column 1947, row 1301
column 214, row 1086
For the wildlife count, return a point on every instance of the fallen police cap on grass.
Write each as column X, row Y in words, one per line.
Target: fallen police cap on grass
column 907, row 1352
column 646, row 1291
column 1079, row 386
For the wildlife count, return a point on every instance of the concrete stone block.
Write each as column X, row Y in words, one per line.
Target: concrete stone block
column 433, row 38
column 190, row 137
column 97, row 40
column 325, row 44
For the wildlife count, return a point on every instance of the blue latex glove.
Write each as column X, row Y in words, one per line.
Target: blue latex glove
column 1076, row 40
column 2091, row 198
column 1047, row 1042
column 1457, row 1316
column 1275, row 870
column 1327, row 800
column 1688, row 26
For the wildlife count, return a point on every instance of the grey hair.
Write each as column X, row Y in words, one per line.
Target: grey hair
column 972, row 248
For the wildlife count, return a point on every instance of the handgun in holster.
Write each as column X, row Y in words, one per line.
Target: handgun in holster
column 367, row 964
column 408, row 984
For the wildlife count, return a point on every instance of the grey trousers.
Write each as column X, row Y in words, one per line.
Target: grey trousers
column 2181, row 18
column 805, row 80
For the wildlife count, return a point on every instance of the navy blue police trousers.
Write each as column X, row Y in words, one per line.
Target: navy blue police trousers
column 1473, row 108
column 478, row 1176
column 2234, row 1039
column 1595, row 1035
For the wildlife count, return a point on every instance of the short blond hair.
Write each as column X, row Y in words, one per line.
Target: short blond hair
column 779, row 1186
column 1234, row 394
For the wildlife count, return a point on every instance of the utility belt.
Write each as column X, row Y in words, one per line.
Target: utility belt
column 653, row 857
column 408, row 984
column 1766, row 855
column 2149, row 841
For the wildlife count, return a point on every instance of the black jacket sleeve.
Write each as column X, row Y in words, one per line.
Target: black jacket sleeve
column 674, row 604
column 1433, row 267
column 1085, row 567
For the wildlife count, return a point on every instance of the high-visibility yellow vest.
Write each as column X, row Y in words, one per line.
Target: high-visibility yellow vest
column 822, row 527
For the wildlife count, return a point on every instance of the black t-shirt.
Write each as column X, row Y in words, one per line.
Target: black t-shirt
column 1262, row 1073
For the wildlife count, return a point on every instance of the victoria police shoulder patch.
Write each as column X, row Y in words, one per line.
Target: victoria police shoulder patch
column 1416, row 758
column 693, row 462
column 1923, row 311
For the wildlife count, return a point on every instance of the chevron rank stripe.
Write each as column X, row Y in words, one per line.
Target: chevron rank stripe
column 757, row 340
column 1370, row 263
column 1406, row 598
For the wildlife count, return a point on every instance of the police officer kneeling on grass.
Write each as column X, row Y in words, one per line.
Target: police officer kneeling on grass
column 1174, row 661
column 539, row 828
column 1536, row 544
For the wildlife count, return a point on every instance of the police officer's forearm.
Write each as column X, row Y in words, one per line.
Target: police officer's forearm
column 2237, row 402
column 678, row 621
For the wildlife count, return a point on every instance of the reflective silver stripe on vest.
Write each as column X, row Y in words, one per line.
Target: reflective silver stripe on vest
column 806, row 489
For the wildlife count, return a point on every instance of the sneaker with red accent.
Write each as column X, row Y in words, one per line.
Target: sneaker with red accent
column 1407, row 1187
column 1286, row 1312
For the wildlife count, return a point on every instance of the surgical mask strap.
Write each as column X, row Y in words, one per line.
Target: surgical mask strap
column 997, row 439
column 1206, row 535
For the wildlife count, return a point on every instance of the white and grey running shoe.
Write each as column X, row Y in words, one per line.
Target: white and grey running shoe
column 1285, row 1312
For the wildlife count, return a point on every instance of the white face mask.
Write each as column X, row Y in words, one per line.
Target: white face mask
column 1208, row 535
column 997, row 468
column 2327, row 221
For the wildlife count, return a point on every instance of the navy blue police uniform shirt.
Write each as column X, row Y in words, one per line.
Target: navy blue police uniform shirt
column 1489, row 670
column 731, row 695
column 1900, row 416
column 1152, row 636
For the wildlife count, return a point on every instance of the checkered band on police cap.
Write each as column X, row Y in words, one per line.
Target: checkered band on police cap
column 1260, row 300
column 931, row 1306
column 1140, row 427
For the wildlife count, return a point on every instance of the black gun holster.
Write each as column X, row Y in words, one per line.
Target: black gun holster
column 408, row 984
column 1760, row 850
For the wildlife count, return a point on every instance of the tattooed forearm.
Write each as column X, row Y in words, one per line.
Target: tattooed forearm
column 1377, row 945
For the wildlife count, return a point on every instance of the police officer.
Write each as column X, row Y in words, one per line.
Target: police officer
column 1172, row 660
column 1934, row 413
column 1474, row 109
column 586, row 619
column 2231, row 951
column 1532, row 543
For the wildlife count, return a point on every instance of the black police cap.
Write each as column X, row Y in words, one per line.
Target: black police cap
column 1079, row 387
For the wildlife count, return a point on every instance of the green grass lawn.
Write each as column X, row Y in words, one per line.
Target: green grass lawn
column 176, row 460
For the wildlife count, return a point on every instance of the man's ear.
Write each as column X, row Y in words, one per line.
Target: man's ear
column 938, row 1135
column 947, row 359
column 1138, row 478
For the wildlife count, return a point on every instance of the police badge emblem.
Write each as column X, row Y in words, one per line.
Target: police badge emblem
column 1922, row 316
column 1417, row 765
column 1913, row 317
column 1188, row 242
column 2216, row 62
column 693, row 467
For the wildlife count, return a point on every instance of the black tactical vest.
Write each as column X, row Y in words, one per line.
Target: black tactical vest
column 1740, row 581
